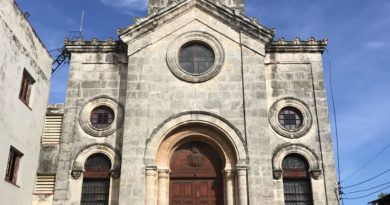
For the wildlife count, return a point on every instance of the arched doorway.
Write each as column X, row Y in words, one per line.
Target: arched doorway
column 196, row 175
column 219, row 135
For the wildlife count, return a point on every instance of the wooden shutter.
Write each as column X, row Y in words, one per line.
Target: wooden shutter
column 16, row 169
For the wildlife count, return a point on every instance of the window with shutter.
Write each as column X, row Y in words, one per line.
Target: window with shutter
column 26, row 87
column 13, row 165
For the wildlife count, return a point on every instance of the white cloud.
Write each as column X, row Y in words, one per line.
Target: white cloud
column 128, row 6
column 377, row 44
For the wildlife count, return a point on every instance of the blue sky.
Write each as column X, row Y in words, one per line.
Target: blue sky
column 359, row 45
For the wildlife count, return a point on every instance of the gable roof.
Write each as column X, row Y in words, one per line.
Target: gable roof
column 229, row 16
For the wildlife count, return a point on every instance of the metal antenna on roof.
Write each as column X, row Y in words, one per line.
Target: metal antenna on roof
column 82, row 22
column 78, row 34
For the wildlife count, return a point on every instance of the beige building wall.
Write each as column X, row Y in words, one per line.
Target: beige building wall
column 20, row 124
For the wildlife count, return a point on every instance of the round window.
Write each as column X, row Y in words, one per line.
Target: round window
column 102, row 117
column 196, row 58
column 290, row 118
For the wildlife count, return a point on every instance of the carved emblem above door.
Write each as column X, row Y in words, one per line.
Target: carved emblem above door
column 195, row 159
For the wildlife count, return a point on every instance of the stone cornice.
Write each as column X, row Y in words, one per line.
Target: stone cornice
column 95, row 46
column 297, row 46
column 227, row 15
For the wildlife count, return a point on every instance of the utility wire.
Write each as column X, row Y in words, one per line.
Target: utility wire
column 334, row 113
column 352, row 198
column 367, row 179
column 57, row 49
column 335, row 123
column 366, row 164
column 363, row 190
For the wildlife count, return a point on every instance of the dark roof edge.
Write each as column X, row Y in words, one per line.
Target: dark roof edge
column 250, row 25
column 95, row 46
column 297, row 46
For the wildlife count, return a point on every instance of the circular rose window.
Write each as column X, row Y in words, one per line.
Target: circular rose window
column 290, row 118
column 196, row 58
column 102, row 117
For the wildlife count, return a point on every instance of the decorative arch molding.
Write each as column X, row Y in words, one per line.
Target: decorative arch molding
column 196, row 126
column 201, row 119
column 286, row 149
column 82, row 156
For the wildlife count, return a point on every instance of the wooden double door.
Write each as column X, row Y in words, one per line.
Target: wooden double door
column 196, row 175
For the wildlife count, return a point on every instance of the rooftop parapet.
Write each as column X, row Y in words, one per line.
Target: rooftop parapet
column 95, row 46
column 297, row 46
column 55, row 109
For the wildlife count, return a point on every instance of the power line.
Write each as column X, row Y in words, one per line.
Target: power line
column 334, row 113
column 352, row 198
column 335, row 121
column 367, row 179
column 366, row 164
column 363, row 190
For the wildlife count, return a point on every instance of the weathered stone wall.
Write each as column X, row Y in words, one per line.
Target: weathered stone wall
column 21, row 125
column 91, row 75
column 252, row 78
column 300, row 76
column 154, row 94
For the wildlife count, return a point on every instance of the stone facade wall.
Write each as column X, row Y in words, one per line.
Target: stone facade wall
column 154, row 94
column 254, row 75
column 92, row 75
column 299, row 76
column 21, row 124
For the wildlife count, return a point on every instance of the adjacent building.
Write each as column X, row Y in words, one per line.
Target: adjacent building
column 25, row 70
column 383, row 200
column 195, row 104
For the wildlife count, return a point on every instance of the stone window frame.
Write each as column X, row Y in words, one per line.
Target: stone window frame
column 77, row 171
column 85, row 114
column 84, row 154
column 273, row 117
column 286, row 149
column 202, row 37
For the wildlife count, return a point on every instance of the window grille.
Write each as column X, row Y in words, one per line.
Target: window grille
column 296, row 181
column 96, row 182
column 102, row 117
column 290, row 118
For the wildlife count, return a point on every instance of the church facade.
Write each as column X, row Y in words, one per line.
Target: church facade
column 196, row 104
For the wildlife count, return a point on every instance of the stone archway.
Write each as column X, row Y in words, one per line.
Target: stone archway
column 202, row 128
column 286, row 149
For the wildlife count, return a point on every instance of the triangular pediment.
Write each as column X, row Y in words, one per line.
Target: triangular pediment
column 228, row 16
